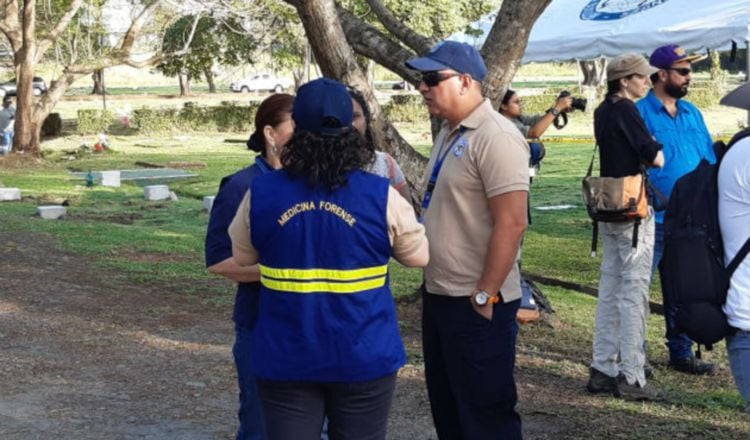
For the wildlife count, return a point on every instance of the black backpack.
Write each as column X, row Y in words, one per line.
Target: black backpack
column 692, row 268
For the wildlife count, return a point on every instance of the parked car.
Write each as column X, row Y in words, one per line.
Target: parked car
column 9, row 88
column 262, row 82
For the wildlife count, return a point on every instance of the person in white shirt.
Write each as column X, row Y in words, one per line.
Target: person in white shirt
column 734, row 219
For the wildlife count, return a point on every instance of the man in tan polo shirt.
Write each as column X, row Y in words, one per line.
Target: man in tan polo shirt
column 475, row 203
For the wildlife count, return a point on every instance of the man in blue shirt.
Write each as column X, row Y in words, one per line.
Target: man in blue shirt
column 679, row 126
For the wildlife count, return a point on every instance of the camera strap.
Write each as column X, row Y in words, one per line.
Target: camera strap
column 561, row 117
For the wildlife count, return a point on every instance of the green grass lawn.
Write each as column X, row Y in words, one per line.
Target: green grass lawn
column 162, row 243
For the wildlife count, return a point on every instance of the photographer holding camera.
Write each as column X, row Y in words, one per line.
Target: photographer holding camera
column 534, row 126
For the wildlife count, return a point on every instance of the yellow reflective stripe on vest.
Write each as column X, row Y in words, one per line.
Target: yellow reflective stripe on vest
column 322, row 286
column 323, row 274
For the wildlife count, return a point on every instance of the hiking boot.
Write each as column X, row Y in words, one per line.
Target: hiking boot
column 692, row 365
column 637, row 392
column 601, row 383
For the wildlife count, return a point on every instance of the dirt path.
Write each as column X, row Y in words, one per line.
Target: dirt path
column 85, row 354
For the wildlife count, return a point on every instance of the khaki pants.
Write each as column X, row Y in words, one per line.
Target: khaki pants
column 622, row 309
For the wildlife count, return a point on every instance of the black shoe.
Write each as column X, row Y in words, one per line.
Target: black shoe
column 601, row 383
column 692, row 365
column 637, row 392
column 648, row 370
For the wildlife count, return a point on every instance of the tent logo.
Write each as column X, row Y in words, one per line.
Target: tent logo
column 603, row 10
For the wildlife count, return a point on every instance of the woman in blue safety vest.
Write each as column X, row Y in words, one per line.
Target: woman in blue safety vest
column 273, row 129
column 323, row 232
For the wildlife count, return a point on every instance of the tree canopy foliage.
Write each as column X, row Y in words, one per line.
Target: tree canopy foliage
column 209, row 41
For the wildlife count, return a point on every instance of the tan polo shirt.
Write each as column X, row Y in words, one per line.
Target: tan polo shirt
column 490, row 159
column 406, row 234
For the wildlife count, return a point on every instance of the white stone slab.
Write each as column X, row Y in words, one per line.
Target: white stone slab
column 208, row 202
column 7, row 194
column 173, row 196
column 156, row 192
column 52, row 212
column 111, row 178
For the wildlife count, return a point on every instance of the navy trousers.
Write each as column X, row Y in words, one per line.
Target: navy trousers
column 354, row 410
column 469, row 363
column 250, row 415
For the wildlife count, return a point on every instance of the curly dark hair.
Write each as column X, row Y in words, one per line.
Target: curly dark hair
column 326, row 160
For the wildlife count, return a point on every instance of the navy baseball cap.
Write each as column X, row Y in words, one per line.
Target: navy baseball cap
column 460, row 57
column 323, row 107
column 665, row 56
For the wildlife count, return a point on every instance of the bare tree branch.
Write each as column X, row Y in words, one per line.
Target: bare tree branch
column 369, row 42
column 506, row 43
column 337, row 60
column 135, row 28
column 59, row 28
column 419, row 43
column 10, row 27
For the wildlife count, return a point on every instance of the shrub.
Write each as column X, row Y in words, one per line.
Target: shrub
column 705, row 93
column 154, row 120
column 538, row 104
column 94, row 121
column 226, row 117
column 406, row 108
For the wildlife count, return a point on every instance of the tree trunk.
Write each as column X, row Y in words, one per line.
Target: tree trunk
column 210, row 80
column 325, row 25
column 98, row 77
column 337, row 60
column 26, row 138
column 184, row 84
column 506, row 43
column 593, row 72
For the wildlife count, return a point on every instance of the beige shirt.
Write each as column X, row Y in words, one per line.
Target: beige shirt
column 491, row 159
column 405, row 233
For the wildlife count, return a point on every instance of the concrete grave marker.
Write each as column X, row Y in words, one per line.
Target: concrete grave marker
column 208, row 202
column 111, row 178
column 52, row 212
column 7, row 194
column 156, row 192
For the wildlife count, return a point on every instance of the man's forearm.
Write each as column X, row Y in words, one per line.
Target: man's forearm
column 509, row 213
column 241, row 274
column 502, row 252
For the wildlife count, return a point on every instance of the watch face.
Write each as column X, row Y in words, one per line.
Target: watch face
column 481, row 298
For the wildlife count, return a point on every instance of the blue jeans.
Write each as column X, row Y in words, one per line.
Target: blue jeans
column 679, row 344
column 250, row 415
column 6, row 143
column 738, row 349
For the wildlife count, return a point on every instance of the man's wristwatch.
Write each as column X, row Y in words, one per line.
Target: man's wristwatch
column 482, row 298
column 554, row 111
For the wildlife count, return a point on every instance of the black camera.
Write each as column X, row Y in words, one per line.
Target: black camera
column 578, row 103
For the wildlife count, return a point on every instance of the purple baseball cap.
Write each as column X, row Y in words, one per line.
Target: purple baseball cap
column 460, row 57
column 665, row 56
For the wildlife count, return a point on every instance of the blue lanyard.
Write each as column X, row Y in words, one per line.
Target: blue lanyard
column 436, row 170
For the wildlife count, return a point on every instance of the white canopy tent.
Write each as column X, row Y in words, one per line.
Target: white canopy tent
column 589, row 29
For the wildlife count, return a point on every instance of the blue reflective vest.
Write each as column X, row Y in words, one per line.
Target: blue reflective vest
column 326, row 313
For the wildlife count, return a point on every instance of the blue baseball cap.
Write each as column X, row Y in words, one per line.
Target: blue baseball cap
column 323, row 107
column 460, row 57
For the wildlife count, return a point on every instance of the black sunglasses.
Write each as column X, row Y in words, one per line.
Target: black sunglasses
column 684, row 71
column 433, row 78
